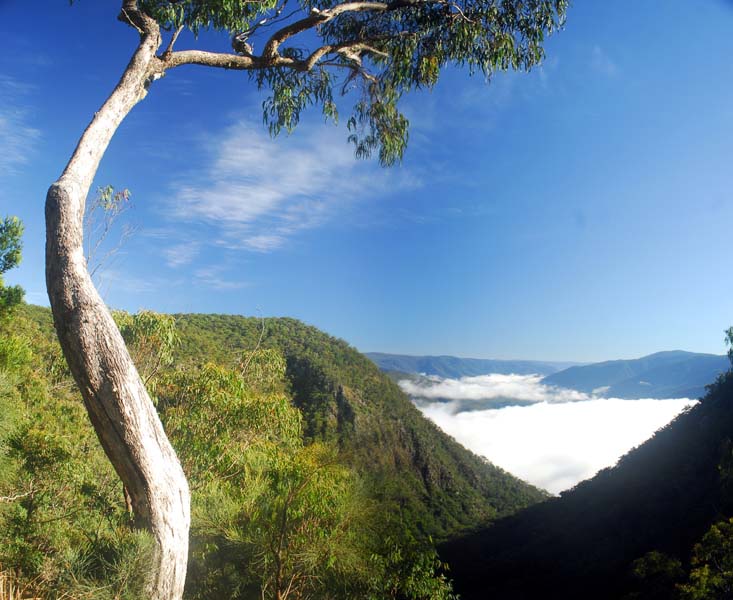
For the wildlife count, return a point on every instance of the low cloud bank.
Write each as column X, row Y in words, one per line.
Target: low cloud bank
column 551, row 437
column 489, row 391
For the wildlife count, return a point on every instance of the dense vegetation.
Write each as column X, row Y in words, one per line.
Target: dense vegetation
column 312, row 474
column 654, row 526
column 438, row 485
column 275, row 514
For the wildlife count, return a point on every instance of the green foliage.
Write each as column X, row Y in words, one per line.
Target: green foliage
column 213, row 416
column 110, row 200
column 14, row 353
column 10, row 296
column 408, row 570
column 377, row 125
column 271, row 507
column 11, row 232
column 151, row 339
column 274, row 517
column 222, row 15
column 116, row 567
column 292, row 92
column 64, row 530
column 656, row 574
column 712, row 565
column 729, row 342
column 379, row 51
column 433, row 483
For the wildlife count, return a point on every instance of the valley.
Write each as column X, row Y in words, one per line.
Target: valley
column 231, row 386
column 555, row 429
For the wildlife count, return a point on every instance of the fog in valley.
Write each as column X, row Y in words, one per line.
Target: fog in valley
column 552, row 437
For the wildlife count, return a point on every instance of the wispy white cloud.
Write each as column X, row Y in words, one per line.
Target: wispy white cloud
column 219, row 276
column 214, row 277
column 602, row 63
column 550, row 436
column 258, row 192
column 18, row 138
column 266, row 243
column 180, row 254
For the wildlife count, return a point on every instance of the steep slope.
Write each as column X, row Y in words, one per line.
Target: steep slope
column 440, row 486
column 661, row 496
column 454, row 367
column 674, row 374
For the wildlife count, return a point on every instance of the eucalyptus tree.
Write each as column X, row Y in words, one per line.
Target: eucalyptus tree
column 306, row 52
column 11, row 232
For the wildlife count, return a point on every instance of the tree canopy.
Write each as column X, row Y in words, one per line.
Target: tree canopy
column 310, row 53
column 274, row 515
column 11, row 245
column 305, row 54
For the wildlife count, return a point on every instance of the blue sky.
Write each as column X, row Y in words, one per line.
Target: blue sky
column 581, row 212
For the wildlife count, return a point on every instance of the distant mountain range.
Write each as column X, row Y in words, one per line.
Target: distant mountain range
column 672, row 374
column 453, row 367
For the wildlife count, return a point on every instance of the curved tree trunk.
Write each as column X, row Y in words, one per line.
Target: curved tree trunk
column 115, row 397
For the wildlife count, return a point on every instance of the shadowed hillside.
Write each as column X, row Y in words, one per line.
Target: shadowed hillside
column 662, row 497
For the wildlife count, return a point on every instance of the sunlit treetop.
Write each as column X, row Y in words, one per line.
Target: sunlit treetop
column 11, row 245
column 11, row 232
column 309, row 52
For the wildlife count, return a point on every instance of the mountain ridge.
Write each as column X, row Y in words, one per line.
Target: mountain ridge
column 660, row 375
column 441, row 487
column 666, row 374
column 452, row 367
column 346, row 399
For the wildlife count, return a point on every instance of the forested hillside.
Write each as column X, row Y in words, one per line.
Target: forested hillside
column 343, row 397
column 304, row 458
column 310, row 470
column 631, row 531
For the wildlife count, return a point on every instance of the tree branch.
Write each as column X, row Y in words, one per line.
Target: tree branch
column 351, row 49
column 271, row 20
column 317, row 17
column 270, row 56
column 222, row 60
column 174, row 37
column 15, row 497
column 131, row 14
column 243, row 370
column 238, row 62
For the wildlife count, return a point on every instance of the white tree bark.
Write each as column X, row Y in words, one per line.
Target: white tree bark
column 119, row 407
